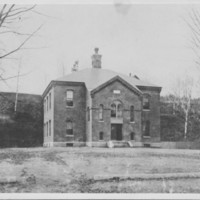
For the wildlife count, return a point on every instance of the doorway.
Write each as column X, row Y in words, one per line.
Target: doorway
column 116, row 132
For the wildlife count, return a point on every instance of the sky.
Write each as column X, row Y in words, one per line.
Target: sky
column 151, row 41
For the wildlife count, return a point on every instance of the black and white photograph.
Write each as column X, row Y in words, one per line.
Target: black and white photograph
column 100, row 97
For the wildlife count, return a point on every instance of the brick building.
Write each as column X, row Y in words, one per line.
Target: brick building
column 97, row 107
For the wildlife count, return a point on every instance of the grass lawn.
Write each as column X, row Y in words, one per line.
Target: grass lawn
column 75, row 170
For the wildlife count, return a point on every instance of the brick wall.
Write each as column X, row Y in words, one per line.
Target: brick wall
column 153, row 115
column 106, row 96
column 62, row 113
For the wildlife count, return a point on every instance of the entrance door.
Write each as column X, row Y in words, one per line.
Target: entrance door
column 116, row 131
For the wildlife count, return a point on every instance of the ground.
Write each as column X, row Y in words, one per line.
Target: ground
column 99, row 170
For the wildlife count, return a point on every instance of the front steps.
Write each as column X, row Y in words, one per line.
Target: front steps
column 118, row 144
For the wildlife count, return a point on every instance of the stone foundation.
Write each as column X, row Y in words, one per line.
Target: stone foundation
column 103, row 144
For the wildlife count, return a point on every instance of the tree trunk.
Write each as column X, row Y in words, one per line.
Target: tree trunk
column 186, row 126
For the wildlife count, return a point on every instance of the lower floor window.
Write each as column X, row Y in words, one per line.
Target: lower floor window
column 132, row 135
column 101, row 136
column 69, row 144
column 69, row 130
column 146, row 128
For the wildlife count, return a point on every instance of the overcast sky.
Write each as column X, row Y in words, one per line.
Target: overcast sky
column 151, row 41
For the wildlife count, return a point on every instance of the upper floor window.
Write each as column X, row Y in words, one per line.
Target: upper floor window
column 101, row 112
column 146, row 128
column 44, row 105
column 49, row 100
column 113, row 110
column 69, row 98
column 116, row 109
column 146, row 102
column 132, row 114
column 69, row 128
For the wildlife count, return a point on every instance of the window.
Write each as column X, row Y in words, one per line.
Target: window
column 101, row 135
column 44, row 130
column 113, row 110
column 49, row 127
column 116, row 109
column 132, row 114
column 69, row 98
column 119, row 110
column 101, row 112
column 146, row 128
column 44, row 105
column 49, row 100
column 88, row 113
column 146, row 102
column 69, row 128
column 132, row 135
column 69, row 144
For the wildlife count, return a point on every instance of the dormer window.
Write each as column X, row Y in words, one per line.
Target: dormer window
column 69, row 98
column 146, row 102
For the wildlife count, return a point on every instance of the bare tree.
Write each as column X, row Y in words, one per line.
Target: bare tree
column 181, row 99
column 193, row 23
column 10, row 15
column 11, row 22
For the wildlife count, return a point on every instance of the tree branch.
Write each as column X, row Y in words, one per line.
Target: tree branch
column 22, row 44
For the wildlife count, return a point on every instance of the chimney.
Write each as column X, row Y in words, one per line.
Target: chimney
column 96, row 59
column 75, row 66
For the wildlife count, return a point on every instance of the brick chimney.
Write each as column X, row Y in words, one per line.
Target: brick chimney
column 75, row 66
column 96, row 59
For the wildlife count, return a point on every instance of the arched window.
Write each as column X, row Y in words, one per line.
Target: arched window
column 146, row 102
column 132, row 117
column 113, row 110
column 116, row 109
column 101, row 112
column 101, row 135
column 69, row 129
column 69, row 98
column 132, row 135
column 119, row 110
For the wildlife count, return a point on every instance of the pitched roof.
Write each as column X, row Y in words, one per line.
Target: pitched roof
column 93, row 78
